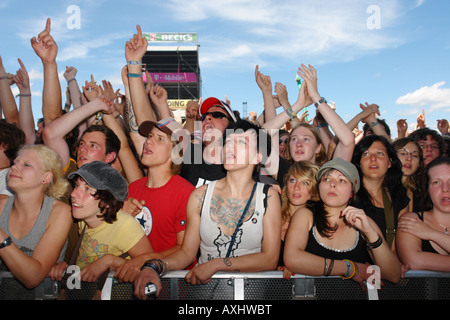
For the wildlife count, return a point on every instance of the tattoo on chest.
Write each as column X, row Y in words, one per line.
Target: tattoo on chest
column 227, row 212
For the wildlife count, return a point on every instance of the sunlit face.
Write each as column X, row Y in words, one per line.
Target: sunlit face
column 298, row 190
column 303, row 145
column 438, row 187
column 84, row 204
column 375, row 161
column 27, row 171
column 157, row 149
column 430, row 149
column 409, row 157
column 92, row 146
column 214, row 128
column 335, row 189
column 240, row 150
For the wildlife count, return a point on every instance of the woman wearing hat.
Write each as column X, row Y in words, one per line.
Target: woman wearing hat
column 331, row 237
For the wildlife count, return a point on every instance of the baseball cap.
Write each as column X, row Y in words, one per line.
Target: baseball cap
column 210, row 102
column 102, row 176
column 167, row 125
column 348, row 169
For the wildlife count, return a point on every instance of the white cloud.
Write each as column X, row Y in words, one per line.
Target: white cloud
column 313, row 31
column 435, row 97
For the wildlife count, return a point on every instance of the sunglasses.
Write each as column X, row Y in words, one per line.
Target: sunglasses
column 215, row 115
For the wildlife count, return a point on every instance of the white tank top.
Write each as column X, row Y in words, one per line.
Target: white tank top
column 214, row 243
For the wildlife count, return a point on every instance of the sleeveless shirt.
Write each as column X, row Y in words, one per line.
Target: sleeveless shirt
column 28, row 243
column 358, row 252
column 214, row 243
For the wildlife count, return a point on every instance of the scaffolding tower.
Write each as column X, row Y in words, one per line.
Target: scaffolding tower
column 173, row 62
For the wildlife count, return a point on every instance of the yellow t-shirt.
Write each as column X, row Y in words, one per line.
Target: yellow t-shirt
column 115, row 239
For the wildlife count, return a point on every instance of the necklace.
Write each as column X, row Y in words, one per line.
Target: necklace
column 442, row 226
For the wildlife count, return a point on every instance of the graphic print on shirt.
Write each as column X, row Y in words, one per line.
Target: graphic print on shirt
column 222, row 242
column 92, row 251
column 145, row 220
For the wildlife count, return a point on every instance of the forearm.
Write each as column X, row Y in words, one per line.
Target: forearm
column 51, row 95
column 26, row 118
column 139, row 99
column 7, row 99
column 29, row 271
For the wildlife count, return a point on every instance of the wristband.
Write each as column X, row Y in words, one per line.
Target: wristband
column 373, row 124
column 322, row 100
column 3, row 77
column 290, row 113
column 324, row 124
column 134, row 62
column 73, row 79
column 349, row 274
column 376, row 244
column 24, row 95
column 160, row 266
column 134, row 75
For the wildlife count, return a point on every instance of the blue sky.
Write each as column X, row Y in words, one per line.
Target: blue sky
column 394, row 53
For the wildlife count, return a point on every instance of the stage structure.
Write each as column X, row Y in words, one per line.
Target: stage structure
column 172, row 61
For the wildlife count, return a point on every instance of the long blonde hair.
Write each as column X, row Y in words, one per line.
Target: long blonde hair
column 59, row 187
column 303, row 171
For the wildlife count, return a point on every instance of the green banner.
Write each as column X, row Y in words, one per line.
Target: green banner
column 171, row 36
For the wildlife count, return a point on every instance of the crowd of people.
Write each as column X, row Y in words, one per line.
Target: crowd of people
column 110, row 181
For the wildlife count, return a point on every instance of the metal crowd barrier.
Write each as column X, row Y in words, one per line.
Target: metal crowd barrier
column 417, row 285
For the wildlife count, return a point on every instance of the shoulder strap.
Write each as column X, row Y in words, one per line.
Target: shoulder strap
column 233, row 238
column 389, row 216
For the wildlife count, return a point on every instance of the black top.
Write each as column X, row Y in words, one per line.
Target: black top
column 358, row 253
column 426, row 245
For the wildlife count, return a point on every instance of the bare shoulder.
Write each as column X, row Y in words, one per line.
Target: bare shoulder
column 60, row 211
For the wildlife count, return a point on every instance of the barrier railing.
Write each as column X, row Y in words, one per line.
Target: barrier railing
column 417, row 285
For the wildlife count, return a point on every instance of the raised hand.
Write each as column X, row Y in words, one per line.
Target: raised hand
column 22, row 79
column 309, row 75
column 136, row 47
column 70, row 73
column 263, row 81
column 45, row 46
column 91, row 90
column 442, row 126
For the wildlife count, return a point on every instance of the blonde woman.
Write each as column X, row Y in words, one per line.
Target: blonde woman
column 34, row 222
column 299, row 188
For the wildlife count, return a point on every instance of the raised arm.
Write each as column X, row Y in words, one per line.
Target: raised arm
column 54, row 133
column 46, row 48
column 126, row 156
column 26, row 119
column 135, row 49
column 265, row 84
column 346, row 138
column 7, row 101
